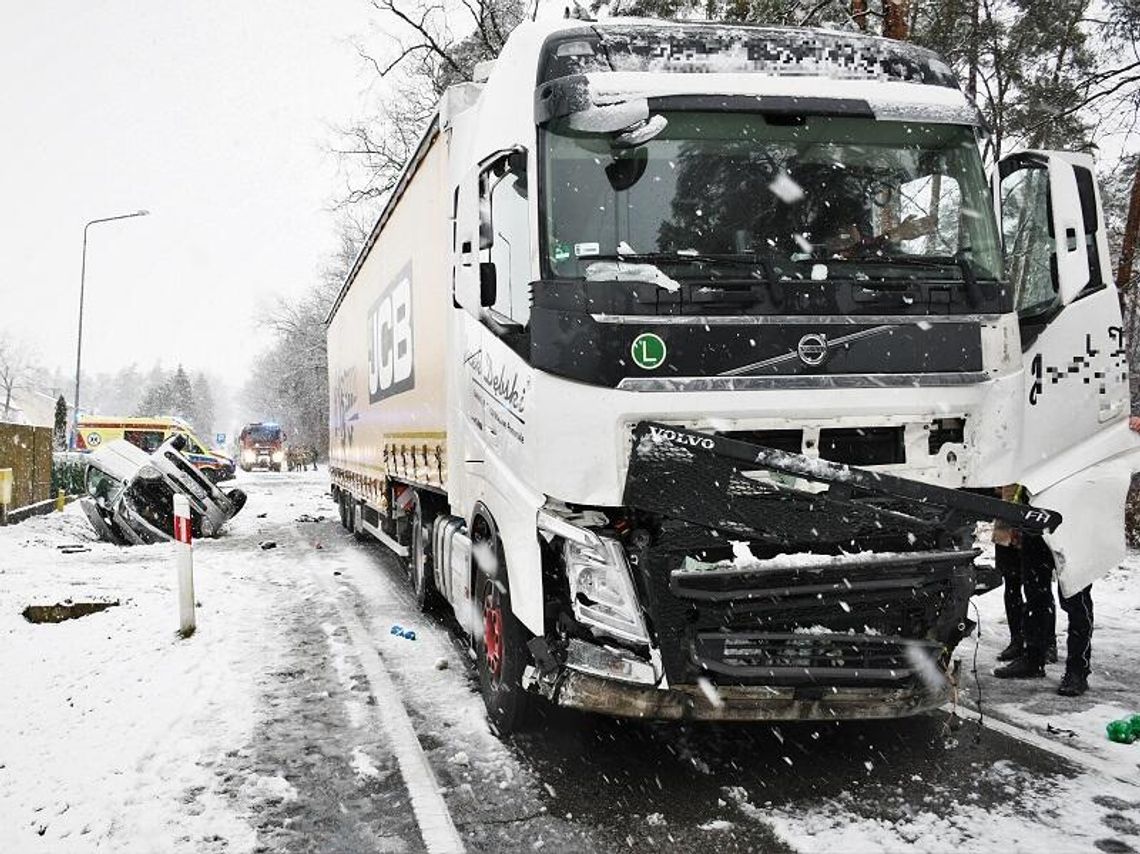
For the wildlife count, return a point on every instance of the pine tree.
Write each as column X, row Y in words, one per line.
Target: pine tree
column 156, row 401
column 59, row 431
column 203, row 416
column 181, row 394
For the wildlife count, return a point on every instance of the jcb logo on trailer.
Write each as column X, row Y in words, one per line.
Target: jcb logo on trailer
column 390, row 369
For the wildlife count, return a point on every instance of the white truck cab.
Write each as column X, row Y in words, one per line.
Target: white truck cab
column 684, row 357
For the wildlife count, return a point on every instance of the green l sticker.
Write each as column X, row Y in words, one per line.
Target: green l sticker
column 648, row 351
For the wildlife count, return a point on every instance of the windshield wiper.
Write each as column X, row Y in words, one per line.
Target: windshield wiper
column 760, row 267
column 933, row 262
column 672, row 258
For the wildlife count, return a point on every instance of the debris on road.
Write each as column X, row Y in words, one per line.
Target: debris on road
column 400, row 631
column 441, row 664
column 267, row 544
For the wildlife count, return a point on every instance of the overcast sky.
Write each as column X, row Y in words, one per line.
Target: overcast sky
column 212, row 114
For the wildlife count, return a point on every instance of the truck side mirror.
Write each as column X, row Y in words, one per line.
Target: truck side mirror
column 488, row 285
column 486, row 234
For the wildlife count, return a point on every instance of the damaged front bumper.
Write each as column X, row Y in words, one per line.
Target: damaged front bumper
column 589, row 693
column 900, row 679
column 850, row 606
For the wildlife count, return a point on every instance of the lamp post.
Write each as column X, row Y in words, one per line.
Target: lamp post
column 79, row 338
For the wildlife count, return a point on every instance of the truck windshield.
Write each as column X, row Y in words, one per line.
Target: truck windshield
column 858, row 193
column 262, row 434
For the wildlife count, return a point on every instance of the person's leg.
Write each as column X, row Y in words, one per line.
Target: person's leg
column 1051, row 636
column 1037, row 616
column 1078, row 657
column 1007, row 560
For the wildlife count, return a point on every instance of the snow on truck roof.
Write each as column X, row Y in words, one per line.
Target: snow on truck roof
column 640, row 57
column 625, row 45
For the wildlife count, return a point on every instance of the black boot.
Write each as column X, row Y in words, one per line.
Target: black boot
column 1073, row 684
column 1051, row 652
column 1021, row 668
column 1015, row 649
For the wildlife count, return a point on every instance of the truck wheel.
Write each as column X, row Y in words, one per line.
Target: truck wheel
column 423, row 582
column 340, row 505
column 356, row 511
column 501, row 646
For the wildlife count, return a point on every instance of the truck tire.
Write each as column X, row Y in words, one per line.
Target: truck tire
column 501, row 647
column 342, row 507
column 419, row 568
column 355, row 511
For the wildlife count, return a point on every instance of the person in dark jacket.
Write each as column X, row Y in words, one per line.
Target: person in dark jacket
column 1007, row 560
column 1039, row 618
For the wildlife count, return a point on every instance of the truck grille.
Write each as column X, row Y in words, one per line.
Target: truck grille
column 782, row 659
column 856, row 622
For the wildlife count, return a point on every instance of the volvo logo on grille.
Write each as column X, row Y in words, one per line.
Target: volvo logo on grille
column 812, row 349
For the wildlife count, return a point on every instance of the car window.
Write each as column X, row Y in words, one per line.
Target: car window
column 147, row 440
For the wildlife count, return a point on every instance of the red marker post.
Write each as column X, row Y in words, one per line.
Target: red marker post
column 185, row 559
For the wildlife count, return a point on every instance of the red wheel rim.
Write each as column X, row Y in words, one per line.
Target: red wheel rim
column 493, row 631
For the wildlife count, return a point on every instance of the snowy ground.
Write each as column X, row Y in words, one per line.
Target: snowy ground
column 266, row 730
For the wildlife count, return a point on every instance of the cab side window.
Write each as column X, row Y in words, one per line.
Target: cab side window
column 504, row 234
column 1026, row 232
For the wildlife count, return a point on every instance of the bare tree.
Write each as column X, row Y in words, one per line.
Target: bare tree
column 289, row 383
column 431, row 48
column 15, row 371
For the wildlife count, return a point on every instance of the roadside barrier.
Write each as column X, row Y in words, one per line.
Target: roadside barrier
column 185, row 565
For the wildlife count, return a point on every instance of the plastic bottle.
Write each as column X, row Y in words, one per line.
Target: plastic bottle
column 1120, row 731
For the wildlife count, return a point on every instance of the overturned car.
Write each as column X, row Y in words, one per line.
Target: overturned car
column 129, row 494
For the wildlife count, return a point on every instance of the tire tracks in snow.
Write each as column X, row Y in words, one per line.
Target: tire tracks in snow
column 437, row 828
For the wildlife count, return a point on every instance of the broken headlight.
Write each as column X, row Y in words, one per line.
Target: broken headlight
column 602, row 591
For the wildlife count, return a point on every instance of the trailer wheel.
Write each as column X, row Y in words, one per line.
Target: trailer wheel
column 500, row 641
column 423, row 582
column 343, row 509
column 356, row 511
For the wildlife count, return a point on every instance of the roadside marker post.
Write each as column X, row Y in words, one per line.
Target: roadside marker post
column 185, row 563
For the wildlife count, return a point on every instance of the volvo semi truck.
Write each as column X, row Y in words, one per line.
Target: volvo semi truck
column 683, row 360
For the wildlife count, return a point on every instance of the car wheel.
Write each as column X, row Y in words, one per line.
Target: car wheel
column 500, row 641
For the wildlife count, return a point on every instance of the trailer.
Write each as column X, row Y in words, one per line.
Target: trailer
column 684, row 359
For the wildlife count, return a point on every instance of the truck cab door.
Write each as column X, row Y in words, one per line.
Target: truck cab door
column 1072, row 338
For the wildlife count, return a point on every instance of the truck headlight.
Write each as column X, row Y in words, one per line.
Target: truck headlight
column 602, row 591
column 278, row 456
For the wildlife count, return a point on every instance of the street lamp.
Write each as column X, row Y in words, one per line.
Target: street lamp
column 79, row 341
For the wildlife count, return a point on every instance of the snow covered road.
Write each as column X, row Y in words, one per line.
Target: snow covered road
column 283, row 725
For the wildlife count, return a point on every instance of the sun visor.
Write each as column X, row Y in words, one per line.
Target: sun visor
column 611, row 101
